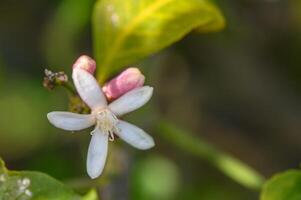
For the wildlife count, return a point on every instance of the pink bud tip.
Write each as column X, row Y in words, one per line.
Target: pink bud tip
column 127, row 80
column 86, row 63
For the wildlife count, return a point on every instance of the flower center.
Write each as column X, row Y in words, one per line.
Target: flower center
column 107, row 122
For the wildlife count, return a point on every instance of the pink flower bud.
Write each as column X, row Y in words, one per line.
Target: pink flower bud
column 127, row 80
column 86, row 63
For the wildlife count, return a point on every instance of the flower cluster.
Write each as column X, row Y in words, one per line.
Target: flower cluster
column 23, row 185
column 105, row 117
column 52, row 79
column 15, row 188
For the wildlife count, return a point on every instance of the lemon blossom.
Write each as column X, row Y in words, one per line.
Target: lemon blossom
column 105, row 118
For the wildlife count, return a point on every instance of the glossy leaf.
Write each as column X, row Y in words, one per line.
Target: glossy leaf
column 35, row 186
column 284, row 186
column 129, row 30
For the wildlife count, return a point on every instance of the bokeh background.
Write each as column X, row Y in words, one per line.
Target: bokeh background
column 239, row 89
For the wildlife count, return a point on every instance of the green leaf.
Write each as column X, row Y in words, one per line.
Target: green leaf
column 284, row 186
column 129, row 30
column 34, row 186
column 91, row 195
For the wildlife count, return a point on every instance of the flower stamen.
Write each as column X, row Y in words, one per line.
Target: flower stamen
column 111, row 137
column 107, row 123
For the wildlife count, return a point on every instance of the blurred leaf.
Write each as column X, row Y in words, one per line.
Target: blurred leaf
column 91, row 195
column 214, row 24
column 2, row 66
column 284, row 186
column 32, row 185
column 295, row 6
column 63, row 31
column 23, row 123
column 129, row 30
column 155, row 177
column 230, row 166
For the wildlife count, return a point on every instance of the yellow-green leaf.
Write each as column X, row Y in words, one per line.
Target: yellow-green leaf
column 91, row 195
column 284, row 186
column 129, row 30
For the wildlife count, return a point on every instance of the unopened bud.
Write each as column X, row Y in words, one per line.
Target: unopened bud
column 127, row 80
column 86, row 63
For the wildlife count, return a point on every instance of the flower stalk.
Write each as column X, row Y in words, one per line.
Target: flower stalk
column 230, row 166
column 54, row 79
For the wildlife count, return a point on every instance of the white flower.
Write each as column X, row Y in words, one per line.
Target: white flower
column 104, row 117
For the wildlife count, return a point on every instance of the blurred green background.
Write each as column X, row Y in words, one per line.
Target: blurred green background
column 239, row 89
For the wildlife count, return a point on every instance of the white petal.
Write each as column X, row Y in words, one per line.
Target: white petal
column 97, row 153
column 70, row 121
column 135, row 136
column 132, row 100
column 88, row 89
